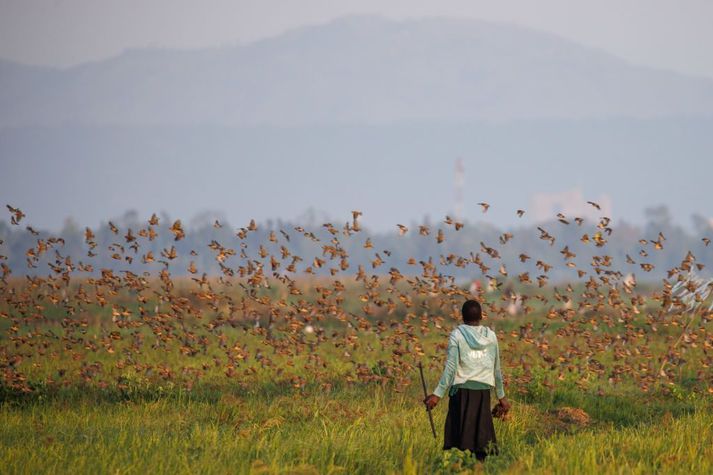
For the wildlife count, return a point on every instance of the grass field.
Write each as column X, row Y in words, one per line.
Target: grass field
column 351, row 404
column 145, row 373
column 271, row 429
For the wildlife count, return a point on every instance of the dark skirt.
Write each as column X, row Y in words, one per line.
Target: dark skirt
column 469, row 424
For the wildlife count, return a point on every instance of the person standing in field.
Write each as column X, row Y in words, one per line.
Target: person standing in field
column 472, row 370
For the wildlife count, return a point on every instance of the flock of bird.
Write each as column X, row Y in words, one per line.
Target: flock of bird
column 307, row 315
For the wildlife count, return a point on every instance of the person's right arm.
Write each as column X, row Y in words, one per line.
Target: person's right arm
column 449, row 373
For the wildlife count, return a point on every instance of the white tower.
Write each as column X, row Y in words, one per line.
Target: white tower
column 459, row 181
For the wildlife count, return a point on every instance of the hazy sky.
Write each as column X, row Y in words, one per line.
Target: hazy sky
column 55, row 173
column 673, row 34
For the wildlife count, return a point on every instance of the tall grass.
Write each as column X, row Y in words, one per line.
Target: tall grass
column 346, row 430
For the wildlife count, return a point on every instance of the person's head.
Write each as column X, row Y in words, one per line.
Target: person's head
column 471, row 312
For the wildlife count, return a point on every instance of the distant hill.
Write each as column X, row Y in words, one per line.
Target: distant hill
column 354, row 70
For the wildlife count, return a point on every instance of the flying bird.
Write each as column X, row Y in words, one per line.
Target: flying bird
column 17, row 215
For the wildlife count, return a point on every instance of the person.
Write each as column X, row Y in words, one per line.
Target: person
column 472, row 369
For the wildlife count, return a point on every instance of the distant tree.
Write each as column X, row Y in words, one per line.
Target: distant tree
column 206, row 219
column 658, row 216
column 701, row 225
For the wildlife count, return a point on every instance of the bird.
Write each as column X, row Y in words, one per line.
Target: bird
column 279, row 307
column 562, row 218
column 505, row 237
column 17, row 214
column 177, row 230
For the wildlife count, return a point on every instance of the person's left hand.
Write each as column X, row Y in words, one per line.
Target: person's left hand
column 431, row 401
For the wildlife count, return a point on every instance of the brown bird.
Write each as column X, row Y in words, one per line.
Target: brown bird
column 17, row 215
column 505, row 237
column 355, row 220
column 177, row 230
column 647, row 267
column 562, row 218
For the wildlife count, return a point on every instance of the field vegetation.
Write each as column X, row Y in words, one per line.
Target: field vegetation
column 303, row 365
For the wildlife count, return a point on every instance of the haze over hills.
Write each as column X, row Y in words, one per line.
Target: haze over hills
column 354, row 70
column 360, row 113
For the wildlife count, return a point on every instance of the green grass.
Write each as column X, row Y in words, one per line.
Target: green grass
column 87, row 396
column 362, row 429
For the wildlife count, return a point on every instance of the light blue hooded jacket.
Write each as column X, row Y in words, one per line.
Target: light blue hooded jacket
column 473, row 355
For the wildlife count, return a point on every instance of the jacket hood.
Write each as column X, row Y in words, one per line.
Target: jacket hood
column 477, row 337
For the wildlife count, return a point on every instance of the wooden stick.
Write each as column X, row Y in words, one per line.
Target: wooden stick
column 425, row 395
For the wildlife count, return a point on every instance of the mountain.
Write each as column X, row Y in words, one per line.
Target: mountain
column 354, row 70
